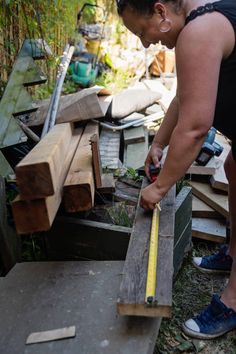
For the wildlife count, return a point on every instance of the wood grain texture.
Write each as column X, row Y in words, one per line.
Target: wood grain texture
column 131, row 300
column 218, row 202
column 79, row 186
column 201, row 210
column 38, row 215
column 38, row 174
column 209, row 229
column 108, row 184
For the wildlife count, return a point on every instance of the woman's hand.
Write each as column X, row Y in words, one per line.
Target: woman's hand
column 154, row 156
column 150, row 196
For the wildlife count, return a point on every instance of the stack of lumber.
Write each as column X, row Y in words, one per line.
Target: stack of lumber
column 210, row 210
column 59, row 168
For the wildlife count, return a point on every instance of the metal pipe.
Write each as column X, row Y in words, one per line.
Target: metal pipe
column 59, row 88
column 47, row 119
column 136, row 122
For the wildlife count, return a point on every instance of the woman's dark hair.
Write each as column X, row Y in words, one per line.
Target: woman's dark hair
column 145, row 7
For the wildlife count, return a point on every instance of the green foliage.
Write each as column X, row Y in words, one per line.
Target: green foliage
column 119, row 215
column 115, row 81
column 132, row 173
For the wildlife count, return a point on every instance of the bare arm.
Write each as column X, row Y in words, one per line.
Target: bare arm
column 198, row 65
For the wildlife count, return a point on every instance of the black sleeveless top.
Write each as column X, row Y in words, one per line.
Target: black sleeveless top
column 225, row 111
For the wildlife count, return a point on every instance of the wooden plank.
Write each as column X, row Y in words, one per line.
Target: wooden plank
column 209, row 229
column 196, row 169
column 87, row 240
column 135, row 154
column 10, row 132
column 110, row 148
column 79, row 186
column 80, row 106
column 219, row 180
column 209, row 169
column 134, row 135
column 24, row 103
column 38, row 174
column 183, row 230
column 108, row 184
column 70, row 293
column 201, row 210
column 9, row 241
column 34, row 75
column 218, row 202
column 97, row 163
column 131, row 300
column 38, row 215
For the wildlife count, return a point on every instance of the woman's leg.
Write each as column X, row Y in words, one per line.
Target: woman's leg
column 228, row 296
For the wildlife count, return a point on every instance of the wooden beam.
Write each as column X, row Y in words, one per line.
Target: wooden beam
column 38, row 174
column 38, row 215
column 218, row 202
column 79, row 187
column 131, row 300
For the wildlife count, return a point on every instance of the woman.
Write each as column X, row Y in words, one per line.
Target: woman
column 203, row 35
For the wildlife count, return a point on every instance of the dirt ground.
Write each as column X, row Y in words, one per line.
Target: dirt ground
column 192, row 291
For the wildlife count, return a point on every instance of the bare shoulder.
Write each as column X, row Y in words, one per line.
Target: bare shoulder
column 200, row 49
column 212, row 33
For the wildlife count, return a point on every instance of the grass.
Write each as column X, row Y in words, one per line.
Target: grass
column 192, row 291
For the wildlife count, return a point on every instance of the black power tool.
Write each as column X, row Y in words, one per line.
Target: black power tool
column 209, row 148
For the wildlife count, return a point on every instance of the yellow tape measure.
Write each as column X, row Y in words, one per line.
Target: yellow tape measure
column 152, row 259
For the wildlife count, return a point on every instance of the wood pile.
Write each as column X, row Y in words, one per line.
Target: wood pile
column 58, row 169
column 210, row 210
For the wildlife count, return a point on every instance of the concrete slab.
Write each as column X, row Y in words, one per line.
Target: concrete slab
column 41, row 296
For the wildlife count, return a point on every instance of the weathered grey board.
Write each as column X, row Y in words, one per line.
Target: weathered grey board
column 72, row 238
column 40, row 296
column 201, row 210
column 131, row 299
column 134, row 135
column 135, row 154
column 183, row 226
column 16, row 99
column 110, row 149
column 209, row 229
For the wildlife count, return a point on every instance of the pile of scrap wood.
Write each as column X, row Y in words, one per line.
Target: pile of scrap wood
column 210, row 210
column 59, row 168
column 62, row 167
